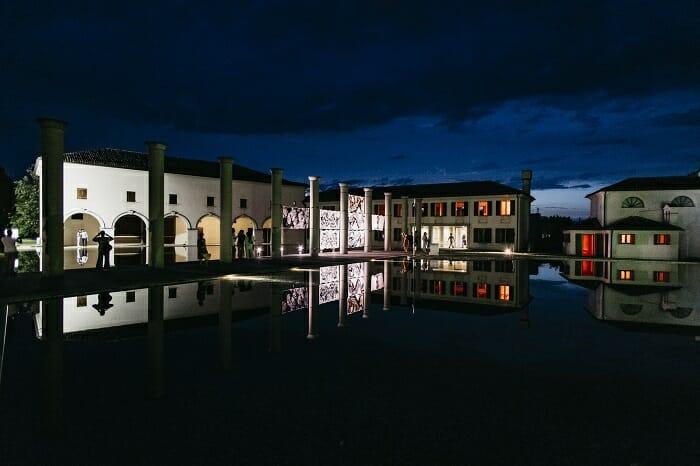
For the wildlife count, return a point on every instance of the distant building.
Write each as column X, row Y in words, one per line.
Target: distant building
column 107, row 189
column 480, row 215
column 641, row 218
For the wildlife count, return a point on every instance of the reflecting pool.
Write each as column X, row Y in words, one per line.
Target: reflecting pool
column 381, row 362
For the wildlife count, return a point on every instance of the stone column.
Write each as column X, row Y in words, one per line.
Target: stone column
column 51, row 134
column 52, row 356
column 315, row 217
column 343, row 217
column 405, row 213
column 155, row 374
column 388, row 212
column 276, row 236
column 387, row 286
column 368, row 219
column 225, row 208
column 419, row 221
column 343, row 294
column 225, row 302
column 313, row 305
column 156, row 188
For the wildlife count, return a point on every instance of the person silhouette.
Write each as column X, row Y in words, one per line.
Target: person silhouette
column 103, row 241
column 104, row 303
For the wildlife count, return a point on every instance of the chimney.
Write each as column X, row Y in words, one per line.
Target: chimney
column 526, row 176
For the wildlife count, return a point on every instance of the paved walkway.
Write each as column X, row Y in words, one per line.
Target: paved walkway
column 33, row 286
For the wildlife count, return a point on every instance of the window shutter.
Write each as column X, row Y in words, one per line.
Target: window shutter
column 453, row 208
column 490, row 212
column 488, row 291
column 498, row 207
column 577, row 267
column 474, row 290
column 578, row 244
column 511, row 292
column 432, row 209
column 512, row 207
column 476, row 208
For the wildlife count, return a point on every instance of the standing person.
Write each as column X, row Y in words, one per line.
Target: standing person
column 83, row 238
column 249, row 244
column 426, row 242
column 103, row 247
column 404, row 242
column 79, row 238
column 451, row 241
column 464, row 241
column 202, row 253
column 9, row 244
column 240, row 244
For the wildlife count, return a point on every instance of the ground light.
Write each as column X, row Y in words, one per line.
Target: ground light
column 508, row 251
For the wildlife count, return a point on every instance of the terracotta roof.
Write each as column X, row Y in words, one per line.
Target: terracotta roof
column 118, row 158
column 641, row 223
column 463, row 188
column 654, row 183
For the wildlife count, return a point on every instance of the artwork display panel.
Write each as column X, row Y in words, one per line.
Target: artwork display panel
column 330, row 239
column 356, row 204
column 295, row 299
column 295, row 218
column 329, row 279
column 356, row 287
column 330, row 219
column 378, row 222
column 356, row 238
column 377, row 282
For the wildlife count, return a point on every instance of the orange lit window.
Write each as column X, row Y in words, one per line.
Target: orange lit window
column 587, row 268
column 484, row 209
column 504, row 292
column 460, row 209
column 504, row 208
column 626, row 274
column 662, row 276
column 459, row 289
column 664, row 239
column 440, row 209
column 626, row 238
column 482, row 290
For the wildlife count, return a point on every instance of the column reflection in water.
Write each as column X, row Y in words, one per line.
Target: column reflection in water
column 313, row 304
column 387, row 286
column 368, row 289
column 156, row 335
column 225, row 304
column 52, row 355
column 275, row 317
column 405, row 270
column 417, row 282
column 343, row 295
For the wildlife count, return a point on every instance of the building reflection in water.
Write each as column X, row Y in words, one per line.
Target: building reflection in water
column 52, row 356
column 155, row 372
column 639, row 292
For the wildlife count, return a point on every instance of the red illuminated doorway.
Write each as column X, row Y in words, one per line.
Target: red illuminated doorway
column 588, row 245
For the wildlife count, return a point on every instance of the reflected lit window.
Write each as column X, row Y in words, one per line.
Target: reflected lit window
column 504, row 292
column 481, row 290
column 81, row 193
column 662, row 276
column 662, row 239
column 625, row 274
column 80, row 301
column 587, row 268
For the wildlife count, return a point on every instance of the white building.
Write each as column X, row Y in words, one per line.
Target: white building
column 481, row 215
column 107, row 189
column 641, row 218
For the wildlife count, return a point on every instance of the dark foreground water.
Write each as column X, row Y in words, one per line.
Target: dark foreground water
column 483, row 362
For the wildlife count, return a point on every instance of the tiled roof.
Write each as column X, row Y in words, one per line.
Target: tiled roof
column 641, row 223
column 118, row 158
column 654, row 183
column 587, row 224
column 463, row 188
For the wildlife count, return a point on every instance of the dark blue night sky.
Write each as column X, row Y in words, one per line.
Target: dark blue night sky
column 583, row 93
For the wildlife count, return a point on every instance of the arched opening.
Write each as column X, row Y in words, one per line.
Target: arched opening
column 209, row 227
column 632, row 202
column 77, row 222
column 267, row 236
column 130, row 230
column 245, row 223
column 682, row 201
column 176, row 228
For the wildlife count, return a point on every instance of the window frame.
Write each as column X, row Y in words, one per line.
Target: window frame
column 626, row 238
column 81, row 194
column 658, row 239
column 131, row 196
column 172, row 196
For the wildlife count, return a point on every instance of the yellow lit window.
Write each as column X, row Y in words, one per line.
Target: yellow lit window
column 483, row 209
column 82, row 193
column 504, row 292
column 664, row 239
column 626, row 238
column 505, row 208
column 626, row 275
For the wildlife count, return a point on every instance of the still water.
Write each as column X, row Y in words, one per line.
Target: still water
column 397, row 362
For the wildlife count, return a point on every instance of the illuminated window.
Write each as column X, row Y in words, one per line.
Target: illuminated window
column 81, row 193
column 505, row 208
column 662, row 276
column 625, row 275
column 130, row 196
column 504, row 292
column 460, row 209
column 481, row 290
column 664, row 239
column 483, row 209
column 626, row 238
column 80, row 301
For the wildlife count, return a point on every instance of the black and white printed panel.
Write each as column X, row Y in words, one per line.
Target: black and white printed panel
column 295, row 218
